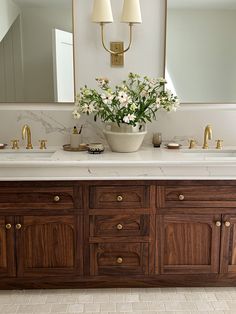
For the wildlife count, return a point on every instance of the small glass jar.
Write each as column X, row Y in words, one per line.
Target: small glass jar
column 157, row 139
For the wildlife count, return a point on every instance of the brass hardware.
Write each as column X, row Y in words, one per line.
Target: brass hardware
column 117, row 60
column 119, row 198
column 18, row 226
column 181, row 197
column 219, row 144
column 218, row 223
column 15, row 144
column 119, row 227
column 8, row 226
column 207, row 136
column 56, row 198
column 43, row 144
column 192, row 144
column 26, row 132
column 227, row 224
column 119, row 260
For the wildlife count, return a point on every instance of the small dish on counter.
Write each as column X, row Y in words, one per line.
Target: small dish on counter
column 2, row 146
column 81, row 148
column 95, row 148
column 173, row 146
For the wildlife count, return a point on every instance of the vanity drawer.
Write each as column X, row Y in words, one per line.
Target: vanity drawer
column 119, row 225
column 122, row 258
column 37, row 198
column 200, row 196
column 119, row 196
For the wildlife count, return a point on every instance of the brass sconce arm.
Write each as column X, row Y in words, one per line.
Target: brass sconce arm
column 120, row 52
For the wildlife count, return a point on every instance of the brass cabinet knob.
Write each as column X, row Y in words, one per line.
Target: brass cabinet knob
column 181, row 197
column 119, row 227
column 119, row 260
column 8, row 226
column 119, row 198
column 56, row 198
column 18, row 226
column 227, row 224
column 218, row 223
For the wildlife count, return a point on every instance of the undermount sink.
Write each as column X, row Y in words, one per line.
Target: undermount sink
column 23, row 154
column 210, row 153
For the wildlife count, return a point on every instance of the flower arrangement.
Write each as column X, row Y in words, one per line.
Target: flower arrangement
column 136, row 100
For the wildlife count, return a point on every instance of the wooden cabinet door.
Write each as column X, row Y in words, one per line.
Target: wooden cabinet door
column 7, row 248
column 46, row 245
column 228, row 245
column 190, row 244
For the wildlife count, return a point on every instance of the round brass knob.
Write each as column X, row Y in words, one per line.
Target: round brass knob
column 56, row 198
column 227, row 224
column 119, row 227
column 181, row 197
column 119, row 198
column 119, row 260
column 18, row 226
column 8, row 226
column 218, row 223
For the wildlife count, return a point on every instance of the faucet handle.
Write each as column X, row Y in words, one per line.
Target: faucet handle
column 219, row 144
column 15, row 144
column 43, row 144
column 192, row 143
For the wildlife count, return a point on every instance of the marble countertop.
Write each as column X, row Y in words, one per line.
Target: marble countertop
column 147, row 164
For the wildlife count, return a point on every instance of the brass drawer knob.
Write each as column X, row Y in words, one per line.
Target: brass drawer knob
column 119, row 260
column 119, row 227
column 181, row 197
column 56, row 198
column 227, row 224
column 119, row 198
column 8, row 226
column 18, row 226
column 218, row 223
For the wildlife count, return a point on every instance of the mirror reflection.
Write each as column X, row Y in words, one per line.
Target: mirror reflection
column 201, row 50
column 36, row 51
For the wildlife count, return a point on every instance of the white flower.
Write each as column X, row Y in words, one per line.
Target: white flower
column 133, row 107
column 88, row 108
column 145, row 91
column 123, row 98
column 107, row 98
column 102, row 82
column 76, row 114
column 128, row 118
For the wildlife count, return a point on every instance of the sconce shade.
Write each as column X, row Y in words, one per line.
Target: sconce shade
column 131, row 12
column 102, row 12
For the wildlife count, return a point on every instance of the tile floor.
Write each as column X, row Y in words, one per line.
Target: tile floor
column 123, row 301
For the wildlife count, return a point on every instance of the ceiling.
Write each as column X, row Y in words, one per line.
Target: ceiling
column 202, row 4
column 43, row 3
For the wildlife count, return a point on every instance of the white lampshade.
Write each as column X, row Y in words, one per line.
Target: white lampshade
column 102, row 12
column 131, row 12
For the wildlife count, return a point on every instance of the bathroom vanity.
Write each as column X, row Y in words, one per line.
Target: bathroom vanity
column 80, row 232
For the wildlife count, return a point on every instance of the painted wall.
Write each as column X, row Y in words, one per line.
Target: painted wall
column 201, row 49
column 8, row 13
column 145, row 57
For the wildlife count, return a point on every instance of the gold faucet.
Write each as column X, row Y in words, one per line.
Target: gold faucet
column 26, row 131
column 207, row 136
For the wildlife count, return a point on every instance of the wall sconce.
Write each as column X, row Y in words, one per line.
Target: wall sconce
column 131, row 14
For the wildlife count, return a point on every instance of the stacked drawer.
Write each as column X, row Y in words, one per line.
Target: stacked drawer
column 119, row 229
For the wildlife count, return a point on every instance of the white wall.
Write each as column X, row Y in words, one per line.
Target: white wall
column 201, row 49
column 92, row 61
column 8, row 13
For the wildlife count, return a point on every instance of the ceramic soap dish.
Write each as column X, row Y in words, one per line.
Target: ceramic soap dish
column 2, row 146
column 173, row 146
column 81, row 148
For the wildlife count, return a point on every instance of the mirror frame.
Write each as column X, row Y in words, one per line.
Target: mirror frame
column 165, row 58
column 30, row 104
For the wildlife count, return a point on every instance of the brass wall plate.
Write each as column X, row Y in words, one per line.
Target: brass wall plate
column 117, row 60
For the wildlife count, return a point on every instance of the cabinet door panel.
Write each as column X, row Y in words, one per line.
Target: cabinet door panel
column 46, row 245
column 7, row 254
column 228, row 247
column 190, row 244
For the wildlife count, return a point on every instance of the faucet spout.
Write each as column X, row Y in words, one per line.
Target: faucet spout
column 26, row 133
column 207, row 136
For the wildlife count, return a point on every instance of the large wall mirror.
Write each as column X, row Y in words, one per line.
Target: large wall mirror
column 201, row 50
column 36, row 51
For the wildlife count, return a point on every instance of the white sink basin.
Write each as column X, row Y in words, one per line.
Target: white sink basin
column 209, row 153
column 35, row 154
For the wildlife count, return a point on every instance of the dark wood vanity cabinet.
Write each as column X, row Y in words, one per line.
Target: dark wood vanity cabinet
column 117, row 234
